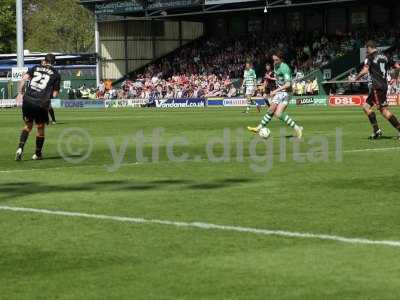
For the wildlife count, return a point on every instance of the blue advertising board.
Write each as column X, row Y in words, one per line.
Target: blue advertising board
column 241, row 102
column 181, row 103
column 82, row 104
column 215, row 101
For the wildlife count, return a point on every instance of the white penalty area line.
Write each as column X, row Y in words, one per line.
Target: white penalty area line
column 207, row 226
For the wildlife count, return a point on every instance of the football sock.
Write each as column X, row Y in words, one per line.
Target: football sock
column 23, row 138
column 393, row 120
column 267, row 118
column 39, row 144
column 373, row 121
column 287, row 120
column 52, row 115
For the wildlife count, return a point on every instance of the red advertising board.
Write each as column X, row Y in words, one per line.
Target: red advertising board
column 347, row 100
column 358, row 100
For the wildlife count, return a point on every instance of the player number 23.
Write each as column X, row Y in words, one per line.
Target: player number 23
column 40, row 80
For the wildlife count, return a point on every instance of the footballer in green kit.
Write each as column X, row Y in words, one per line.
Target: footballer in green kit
column 280, row 97
column 250, row 85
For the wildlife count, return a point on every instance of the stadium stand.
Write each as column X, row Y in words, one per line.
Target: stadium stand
column 212, row 67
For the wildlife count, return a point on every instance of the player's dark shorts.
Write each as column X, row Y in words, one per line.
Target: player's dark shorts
column 32, row 111
column 377, row 98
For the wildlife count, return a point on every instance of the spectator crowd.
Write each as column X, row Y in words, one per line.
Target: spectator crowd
column 213, row 67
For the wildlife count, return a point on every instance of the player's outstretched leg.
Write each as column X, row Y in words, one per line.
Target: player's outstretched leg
column 39, row 142
column 265, row 120
column 52, row 115
column 391, row 118
column 285, row 118
column 22, row 140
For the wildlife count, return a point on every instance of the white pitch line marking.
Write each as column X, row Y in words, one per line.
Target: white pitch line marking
column 67, row 167
column 372, row 149
column 207, row 226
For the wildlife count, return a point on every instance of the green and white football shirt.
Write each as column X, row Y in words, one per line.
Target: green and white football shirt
column 283, row 74
column 250, row 78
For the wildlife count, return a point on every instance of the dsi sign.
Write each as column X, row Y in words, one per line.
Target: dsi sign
column 347, row 100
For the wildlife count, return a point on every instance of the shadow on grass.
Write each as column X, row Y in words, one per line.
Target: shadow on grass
column 385, row 137
column 218, row 184
column 380, row 183
column 30, row 261
column 16, row 190
column 171, row 181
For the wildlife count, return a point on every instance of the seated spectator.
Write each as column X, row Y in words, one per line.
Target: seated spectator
column 206, row 66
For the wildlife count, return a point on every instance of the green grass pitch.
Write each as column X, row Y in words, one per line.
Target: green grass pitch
column 59, row 257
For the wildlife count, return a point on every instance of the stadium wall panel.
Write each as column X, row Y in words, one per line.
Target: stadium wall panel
column 112, row 50
column 128, row 45
column 140, row 50
column 171, row 30
column 112, row 31
column 192, row 30
column 380, row 14
column 139, row 29
column 397, row 12
column 336, row 20
column 113, row 69
column 165, row 47
column 314, row 20
column 136, row 64
column 276, row 23
column 358, row 18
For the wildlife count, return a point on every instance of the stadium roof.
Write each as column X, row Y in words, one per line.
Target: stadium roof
column 62, row 58
column 176, row 8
